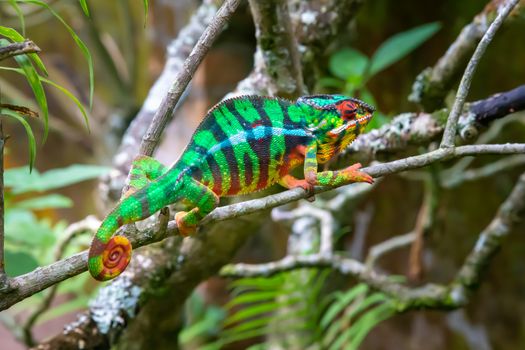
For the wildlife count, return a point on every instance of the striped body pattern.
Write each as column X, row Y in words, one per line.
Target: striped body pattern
column 243, row 145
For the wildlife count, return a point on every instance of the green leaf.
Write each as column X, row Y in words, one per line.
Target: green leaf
column 18, row 263
column 17, row 37
column 78, row 41
column 45, row 202
column 145, row 3
column 252, row 311
column 251, row 297
column 34, row 83
column 55, row 178
column 400, row 45
column 257, row 282
column 348, row 63
column 23, row 228
column 210, row 324
column 85, row 8
column 20, row 15
column 30, row 137
column 364, row 325
column 60, row 88
column 341, row 303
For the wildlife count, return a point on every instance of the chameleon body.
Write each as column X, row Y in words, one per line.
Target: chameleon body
column 243, row 145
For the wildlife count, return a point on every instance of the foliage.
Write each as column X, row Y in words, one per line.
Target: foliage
column 280, row 306
column 352, row 69
column 31, row 65
column 29, row 238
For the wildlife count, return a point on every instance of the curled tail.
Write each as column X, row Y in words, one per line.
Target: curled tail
column 108, row 256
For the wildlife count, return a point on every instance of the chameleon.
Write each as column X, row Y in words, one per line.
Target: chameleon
column 243, row 145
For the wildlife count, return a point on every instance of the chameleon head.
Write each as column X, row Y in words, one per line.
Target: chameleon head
column 337, row 116
column 108, row 260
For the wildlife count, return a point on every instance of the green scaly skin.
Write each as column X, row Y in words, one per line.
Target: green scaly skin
column 243, row 145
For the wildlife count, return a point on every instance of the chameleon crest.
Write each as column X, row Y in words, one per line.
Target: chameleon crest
column 243, row 145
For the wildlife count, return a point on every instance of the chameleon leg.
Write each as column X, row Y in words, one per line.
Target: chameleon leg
column 204, row 201
column 331, row 178
column 290, row 182
column 144, row 169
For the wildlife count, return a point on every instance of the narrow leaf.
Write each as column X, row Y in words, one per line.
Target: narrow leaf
column 85, row 8
column 145, row 3
column 341, row 303
column 29, row 132
column 78, row 41
column 400, row 45
column 252, row 311
column 35, row 84
column 60, row 88
column 20, row 15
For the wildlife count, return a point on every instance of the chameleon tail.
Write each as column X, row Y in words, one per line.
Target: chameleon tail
column 108, row 256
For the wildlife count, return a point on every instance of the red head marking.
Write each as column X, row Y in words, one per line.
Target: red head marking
column 347, row 109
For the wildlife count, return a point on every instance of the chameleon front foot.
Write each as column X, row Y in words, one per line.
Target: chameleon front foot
column 186, row 228
column 354, row 175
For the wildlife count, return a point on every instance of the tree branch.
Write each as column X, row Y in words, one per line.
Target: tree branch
column 277, row 47
column 167, row 106
column 44, row 277
column 451, row 128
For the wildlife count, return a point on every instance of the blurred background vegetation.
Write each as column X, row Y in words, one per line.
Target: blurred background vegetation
column 128, row 53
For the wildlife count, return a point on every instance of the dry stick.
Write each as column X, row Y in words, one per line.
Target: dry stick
column 151, row 139
column 16, row 49
column 464, row 86
column 44, row 277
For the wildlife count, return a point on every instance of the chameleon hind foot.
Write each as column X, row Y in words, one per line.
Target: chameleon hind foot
column 185, row 228
column 290, row 182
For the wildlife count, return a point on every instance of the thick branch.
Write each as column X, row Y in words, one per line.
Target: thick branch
column 420, row 129
column 277, row 47
column 164, row 112
column 44, row 277
column 451, row 128
column 16, row 49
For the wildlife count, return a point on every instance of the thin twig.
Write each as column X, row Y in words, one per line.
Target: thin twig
column 164, row 112
column 464, row 86
column 16, row 49
column 44, row 277
column 452, row 180
column 394, row 243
